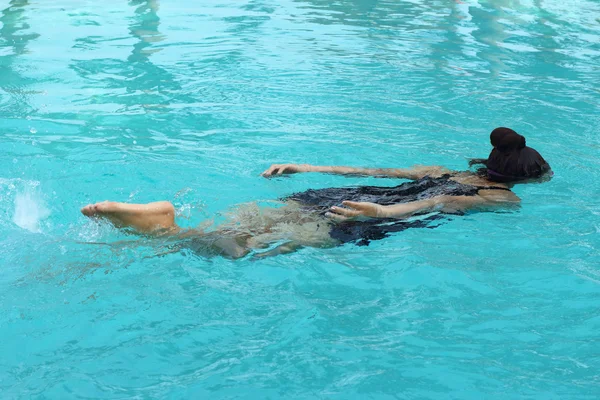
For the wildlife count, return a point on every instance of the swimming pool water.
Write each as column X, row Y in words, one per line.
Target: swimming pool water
column 189, row 101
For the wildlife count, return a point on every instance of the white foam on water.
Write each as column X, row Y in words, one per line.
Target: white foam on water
column 30, row 210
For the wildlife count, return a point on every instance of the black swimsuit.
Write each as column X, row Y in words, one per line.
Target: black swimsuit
column 362, row 232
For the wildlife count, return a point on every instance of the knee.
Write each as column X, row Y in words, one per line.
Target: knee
column 237, row 253
column 228, row 247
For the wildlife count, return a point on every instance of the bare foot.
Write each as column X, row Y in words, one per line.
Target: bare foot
column 98, row 209
column 145, row 218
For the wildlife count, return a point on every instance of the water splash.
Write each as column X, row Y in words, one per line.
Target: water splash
column 30, row 210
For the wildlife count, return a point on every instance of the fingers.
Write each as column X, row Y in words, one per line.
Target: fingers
column 354, row 204
column 336, row 217
column 268, row 171
column 346, row 212
column 367, row 209
column 353, row 210
column 276, row 169
column 271, row 170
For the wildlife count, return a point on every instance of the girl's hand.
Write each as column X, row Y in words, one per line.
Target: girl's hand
column 355, row 210
column 280, row 169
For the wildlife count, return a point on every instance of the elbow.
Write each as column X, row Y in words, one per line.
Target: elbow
column 442, row 201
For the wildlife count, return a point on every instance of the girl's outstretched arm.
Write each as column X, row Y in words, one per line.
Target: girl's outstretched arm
column 487, row 199
column 416, row 172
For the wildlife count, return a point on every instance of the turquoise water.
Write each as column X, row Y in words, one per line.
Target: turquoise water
column 147, row 100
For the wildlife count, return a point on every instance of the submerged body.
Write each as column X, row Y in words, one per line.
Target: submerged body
column 362, row 232
column 305, row 219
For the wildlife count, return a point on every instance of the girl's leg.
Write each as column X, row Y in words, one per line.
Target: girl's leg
column 285, row 248
column 159, row 219
column 250, row 230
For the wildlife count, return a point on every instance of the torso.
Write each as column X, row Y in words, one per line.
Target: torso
column 461, row 184
column 487, row 189
column 445, row 184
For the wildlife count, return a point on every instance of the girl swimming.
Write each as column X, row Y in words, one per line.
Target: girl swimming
column 333, row 216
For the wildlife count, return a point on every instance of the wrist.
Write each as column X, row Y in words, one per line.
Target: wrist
column 438, row 202
column 383, row 212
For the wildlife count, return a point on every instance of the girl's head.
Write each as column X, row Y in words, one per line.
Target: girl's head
column 511, row 160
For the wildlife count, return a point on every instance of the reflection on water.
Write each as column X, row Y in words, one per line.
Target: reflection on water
column 239, row 85
column 14, row 35
column 144, row 26
column 483, row 36
column 138, row 75
column 14, row 21
column 145, row 74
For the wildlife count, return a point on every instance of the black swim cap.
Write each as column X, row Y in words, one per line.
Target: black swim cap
column 511, row 159
column 505, row 139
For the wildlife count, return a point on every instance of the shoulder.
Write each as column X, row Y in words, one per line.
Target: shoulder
column 469, row 178
column 420, row 171
column 499, row 196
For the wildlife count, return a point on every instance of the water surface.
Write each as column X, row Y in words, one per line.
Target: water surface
column 150, row 100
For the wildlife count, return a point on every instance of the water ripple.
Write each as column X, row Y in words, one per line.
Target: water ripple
column 147, row 100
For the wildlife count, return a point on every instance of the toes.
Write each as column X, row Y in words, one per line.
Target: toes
column 87, row 210
column 103, row 207
column 91, row 209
